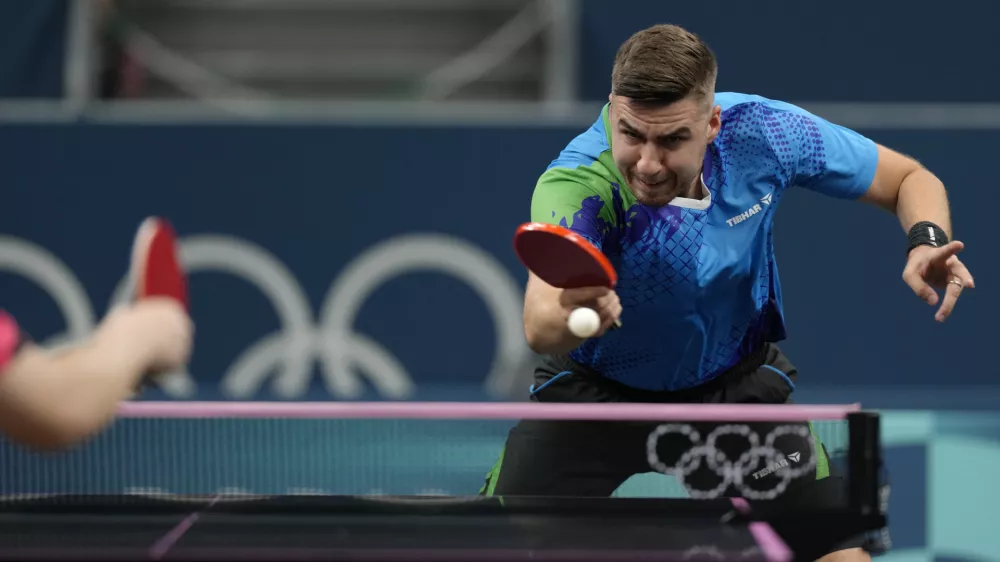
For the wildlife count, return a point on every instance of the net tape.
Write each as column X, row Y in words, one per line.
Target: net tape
column 397, row 449
column 711, row 552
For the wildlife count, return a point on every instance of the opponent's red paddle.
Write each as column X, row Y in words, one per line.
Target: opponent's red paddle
column 156, row 271
column 562, row 258
column 155, row 268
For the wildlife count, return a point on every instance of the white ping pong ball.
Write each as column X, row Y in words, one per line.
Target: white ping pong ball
column 584, row 322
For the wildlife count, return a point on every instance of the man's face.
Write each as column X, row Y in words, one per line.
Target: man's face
column 660, row 150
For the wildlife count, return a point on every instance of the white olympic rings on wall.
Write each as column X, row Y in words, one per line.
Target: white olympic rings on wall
column 303, row 339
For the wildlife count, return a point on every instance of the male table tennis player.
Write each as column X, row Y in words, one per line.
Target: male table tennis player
column 678, row 186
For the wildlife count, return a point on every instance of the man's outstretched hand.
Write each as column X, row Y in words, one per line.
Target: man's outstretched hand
column 932, row 270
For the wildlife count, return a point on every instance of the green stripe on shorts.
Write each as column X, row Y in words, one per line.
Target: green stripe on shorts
column 822, row 463
column 493, row 476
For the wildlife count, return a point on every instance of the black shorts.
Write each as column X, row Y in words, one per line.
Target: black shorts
column 577, row 458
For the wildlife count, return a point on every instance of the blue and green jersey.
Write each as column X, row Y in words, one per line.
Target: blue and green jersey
column 698, row 280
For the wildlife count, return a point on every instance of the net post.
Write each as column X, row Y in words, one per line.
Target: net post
column 864, row 462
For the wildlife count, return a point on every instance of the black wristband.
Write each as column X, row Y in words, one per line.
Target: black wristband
column 926, row 233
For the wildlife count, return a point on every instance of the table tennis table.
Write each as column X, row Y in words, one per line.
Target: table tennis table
column 145, row 525
column 394, row 529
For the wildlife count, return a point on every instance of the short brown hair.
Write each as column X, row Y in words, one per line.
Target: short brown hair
column 663, row 64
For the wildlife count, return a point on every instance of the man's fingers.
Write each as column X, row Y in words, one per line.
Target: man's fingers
column 959, row 270
column 941, row 267
column 616, row 313
column 610, row 310
column 947, row 251
column 583, row 295
column 920, row 287
column 951, row 294
column 958, row 278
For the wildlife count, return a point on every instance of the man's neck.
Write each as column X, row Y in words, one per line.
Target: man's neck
column 695, row 190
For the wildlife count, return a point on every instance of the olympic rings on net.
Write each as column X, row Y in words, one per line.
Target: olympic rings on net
column 699, row 553
column 733, row 472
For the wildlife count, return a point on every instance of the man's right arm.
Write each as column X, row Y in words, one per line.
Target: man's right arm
column 561, row 201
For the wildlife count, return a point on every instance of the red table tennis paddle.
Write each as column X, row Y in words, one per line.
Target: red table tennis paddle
column 156, row 271
column 563, row 258
column 155, row 268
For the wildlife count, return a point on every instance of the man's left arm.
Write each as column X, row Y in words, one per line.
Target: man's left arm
column 905, row 188
column 821, row 156
column 920, row 201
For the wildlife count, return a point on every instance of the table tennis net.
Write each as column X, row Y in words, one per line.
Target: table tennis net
column 269, row 456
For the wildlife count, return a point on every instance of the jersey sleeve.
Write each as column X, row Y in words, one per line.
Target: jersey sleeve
column 564, row 197
column 10, row 339
column 819, row 155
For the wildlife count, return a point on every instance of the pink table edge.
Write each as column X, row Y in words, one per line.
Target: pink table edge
column 488, row 410
column 770, row 543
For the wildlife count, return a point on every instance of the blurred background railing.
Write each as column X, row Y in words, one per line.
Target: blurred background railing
column 336, row 166
column 496, row 50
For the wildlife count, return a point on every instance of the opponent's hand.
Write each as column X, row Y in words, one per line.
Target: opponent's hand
column 601, row 299
column 929, row 270
column 158, row 329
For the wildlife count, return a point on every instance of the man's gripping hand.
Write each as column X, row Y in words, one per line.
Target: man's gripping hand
column 601, row 299
column 547, row 310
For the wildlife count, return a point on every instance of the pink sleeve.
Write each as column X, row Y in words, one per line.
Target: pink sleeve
column 10, row 338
